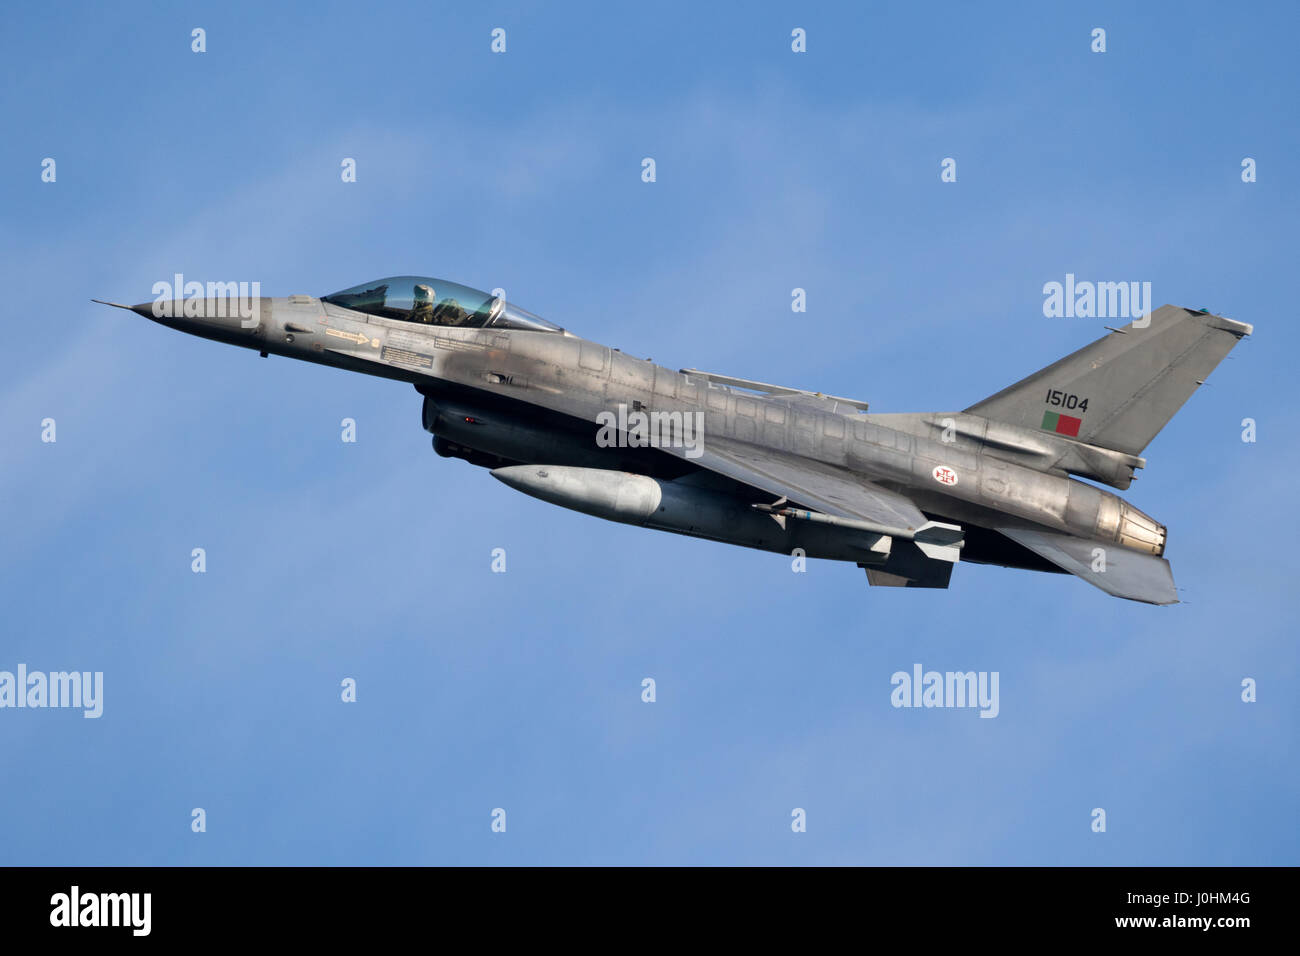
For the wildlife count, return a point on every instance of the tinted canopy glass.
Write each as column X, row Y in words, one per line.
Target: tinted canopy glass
column 431, row 301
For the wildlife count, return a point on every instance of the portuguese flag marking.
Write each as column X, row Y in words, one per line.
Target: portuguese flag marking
column 1061, row 424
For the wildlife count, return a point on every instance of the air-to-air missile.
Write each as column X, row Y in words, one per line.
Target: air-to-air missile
column 1008, row 481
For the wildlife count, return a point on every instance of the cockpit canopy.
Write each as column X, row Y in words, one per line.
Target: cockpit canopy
column 436, row 302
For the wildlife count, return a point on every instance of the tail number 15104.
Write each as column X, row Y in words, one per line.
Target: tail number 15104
column 1066, row 400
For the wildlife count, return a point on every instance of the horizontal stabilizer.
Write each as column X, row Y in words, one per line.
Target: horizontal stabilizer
column 1127, row 574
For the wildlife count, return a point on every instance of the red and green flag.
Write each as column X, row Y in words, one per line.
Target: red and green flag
column 1061, row 424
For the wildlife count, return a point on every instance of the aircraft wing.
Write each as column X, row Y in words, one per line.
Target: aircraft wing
column 1128, row 574
column 922, row 553
column 814, row 485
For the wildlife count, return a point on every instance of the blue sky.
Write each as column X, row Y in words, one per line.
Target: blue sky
column 522, row 690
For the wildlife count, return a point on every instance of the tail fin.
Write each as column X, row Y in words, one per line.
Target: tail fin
column 1120, row 391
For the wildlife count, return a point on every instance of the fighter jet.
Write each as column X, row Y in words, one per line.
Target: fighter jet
column 902, row 495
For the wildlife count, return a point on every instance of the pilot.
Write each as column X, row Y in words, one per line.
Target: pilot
column 422, row 311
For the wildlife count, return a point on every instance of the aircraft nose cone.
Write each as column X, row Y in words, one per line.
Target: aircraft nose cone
column 144, row 308
column 222, row 313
